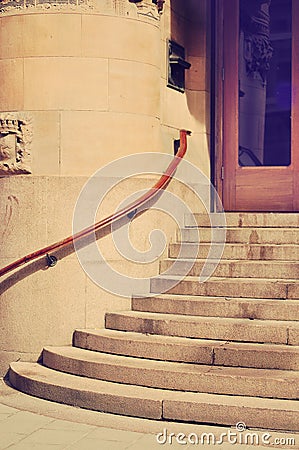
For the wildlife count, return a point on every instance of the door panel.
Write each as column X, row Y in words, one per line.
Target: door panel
column 264, row 189
column 260, row 111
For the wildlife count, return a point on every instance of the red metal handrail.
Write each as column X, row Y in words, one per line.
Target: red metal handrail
column 150, row 194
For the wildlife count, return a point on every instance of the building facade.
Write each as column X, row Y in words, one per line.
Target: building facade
column 85, row 82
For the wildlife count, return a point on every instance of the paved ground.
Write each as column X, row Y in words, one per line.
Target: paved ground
column 28, row 423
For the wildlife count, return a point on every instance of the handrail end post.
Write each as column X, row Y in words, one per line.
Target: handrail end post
column 51, row 260
column 183, row 141
column 185, row 132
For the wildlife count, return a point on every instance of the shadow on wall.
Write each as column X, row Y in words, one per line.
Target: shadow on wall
column 189, row 27
column 67, row 250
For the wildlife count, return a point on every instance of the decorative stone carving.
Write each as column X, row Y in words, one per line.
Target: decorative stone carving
column 255, row 22
column 48, row 5
column 160, row 4
column 149, row 8
column 119, row 7
column 15, row 141
column 142, row 8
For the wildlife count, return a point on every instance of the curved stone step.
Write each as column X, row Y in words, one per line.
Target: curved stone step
column 195, row 305
column 233, row 268
column 243, row 251
column 245, row 220
column 183, row 349
column 173, row 375
column 244, row 330
column 242, row 235
column 39, row 381
column 226, row 287
column 98, row 395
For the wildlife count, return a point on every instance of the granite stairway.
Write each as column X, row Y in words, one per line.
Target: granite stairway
column 218, row 352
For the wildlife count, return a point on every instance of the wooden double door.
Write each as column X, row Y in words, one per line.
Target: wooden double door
column 258, row 44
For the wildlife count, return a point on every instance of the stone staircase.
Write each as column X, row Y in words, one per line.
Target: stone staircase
column 218, row 352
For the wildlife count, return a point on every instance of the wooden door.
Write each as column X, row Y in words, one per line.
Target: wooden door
column 260, row 114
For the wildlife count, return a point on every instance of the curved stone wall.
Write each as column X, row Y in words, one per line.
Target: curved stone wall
column 80, row 76
column 80, row 87
column 82, row 83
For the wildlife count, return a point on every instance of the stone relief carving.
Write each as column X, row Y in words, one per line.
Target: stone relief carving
column 255, row 22
column 9, row 216
column 118, row 7
column 160, row 4
column 105, row 6
column 149, row 8
column 15, row 140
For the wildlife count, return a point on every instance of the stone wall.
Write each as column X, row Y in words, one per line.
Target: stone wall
column 79, row 76
column 84, row 83
column 187, row 23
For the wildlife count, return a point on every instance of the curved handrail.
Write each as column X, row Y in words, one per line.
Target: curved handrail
column 150, row 194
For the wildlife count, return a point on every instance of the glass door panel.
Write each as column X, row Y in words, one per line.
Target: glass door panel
column 265, row 82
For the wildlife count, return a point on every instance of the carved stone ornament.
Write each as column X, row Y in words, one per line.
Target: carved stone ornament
column 7, row 6
column 110, row 7
column 102, row 6
column 149, row 8
column 255, row 22
column 160, row 4
column 15, row 141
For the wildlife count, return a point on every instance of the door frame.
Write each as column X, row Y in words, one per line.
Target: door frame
column 226, row 109
column 217, row 67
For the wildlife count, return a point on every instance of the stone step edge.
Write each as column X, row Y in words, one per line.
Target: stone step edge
column 36, row 380
column 214, row 298
column 287, row 282
column 238, row 235
column 263, row 383
column 285, row 245
column 282, row 288
column 284, row 281
column 213, row 306
column 236, row 228
column 18, row 400
column 259, row 331
column 188, row 350
column 264, row 252
column 184, row 349
column 229, row 226
column 232, row 268
column 276, row 262
column 188, row 318
column 230, row 262
column 244, row 220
